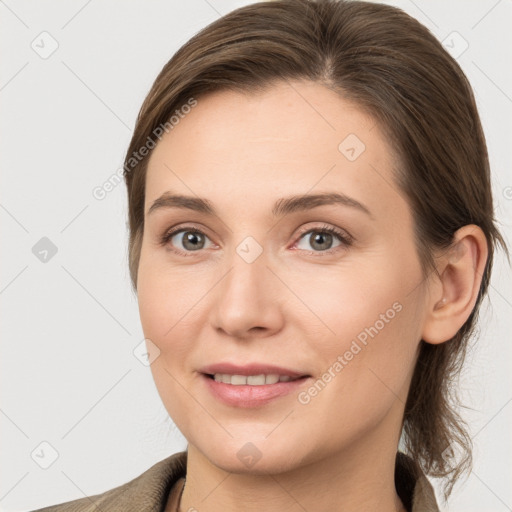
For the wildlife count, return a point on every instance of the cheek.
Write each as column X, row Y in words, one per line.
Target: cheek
column 344, row 302
column 366, row 366
column 166, row 295
column 164, row 309
column 371, row 315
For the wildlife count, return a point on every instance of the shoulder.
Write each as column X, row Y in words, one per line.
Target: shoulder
column 148, row 491
column 413, row 487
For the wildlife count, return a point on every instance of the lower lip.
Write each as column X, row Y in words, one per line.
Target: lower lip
column 251, row 396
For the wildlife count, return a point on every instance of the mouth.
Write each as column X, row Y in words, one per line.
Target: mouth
column 251, row 380
column 253, row 371
column 251, row 386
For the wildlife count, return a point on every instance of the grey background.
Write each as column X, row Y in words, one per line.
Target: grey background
column 70, row 324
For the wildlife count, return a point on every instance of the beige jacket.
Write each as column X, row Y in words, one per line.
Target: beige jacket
column 149, row 491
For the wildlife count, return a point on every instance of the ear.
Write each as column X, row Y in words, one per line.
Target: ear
column 454, row 294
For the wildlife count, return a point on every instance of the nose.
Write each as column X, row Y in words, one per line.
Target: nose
column 247, row 303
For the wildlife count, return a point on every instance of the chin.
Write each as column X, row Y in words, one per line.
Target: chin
column 257, row 457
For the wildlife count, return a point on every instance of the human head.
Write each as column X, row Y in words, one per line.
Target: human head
column 393, row 69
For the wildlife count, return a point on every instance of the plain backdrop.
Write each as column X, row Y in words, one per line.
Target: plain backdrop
column 74, row 395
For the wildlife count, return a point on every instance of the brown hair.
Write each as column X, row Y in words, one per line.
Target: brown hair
column 393, row 68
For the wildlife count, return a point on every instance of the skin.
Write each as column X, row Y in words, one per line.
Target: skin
column 293, row 306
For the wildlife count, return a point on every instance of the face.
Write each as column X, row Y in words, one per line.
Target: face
column 325, row 295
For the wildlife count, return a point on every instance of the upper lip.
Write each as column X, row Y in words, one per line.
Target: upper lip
column 250, row 369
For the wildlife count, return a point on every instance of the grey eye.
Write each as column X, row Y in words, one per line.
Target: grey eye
column 319, row 240
column 190, row 240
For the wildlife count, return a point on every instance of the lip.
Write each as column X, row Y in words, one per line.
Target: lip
column 245, row 396
column 250, row 369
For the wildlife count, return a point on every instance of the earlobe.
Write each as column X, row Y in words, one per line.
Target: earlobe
column 460, row 269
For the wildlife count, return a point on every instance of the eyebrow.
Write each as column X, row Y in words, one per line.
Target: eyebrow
column 282, row 206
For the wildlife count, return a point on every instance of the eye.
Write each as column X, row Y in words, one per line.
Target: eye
column 186, row 240
column 321, row 239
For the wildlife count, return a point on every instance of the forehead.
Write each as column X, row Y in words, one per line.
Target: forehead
column 290, row 139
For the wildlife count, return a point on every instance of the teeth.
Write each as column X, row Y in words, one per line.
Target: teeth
column 251, row 380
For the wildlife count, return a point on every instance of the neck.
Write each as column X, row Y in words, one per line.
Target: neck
column 360, row 478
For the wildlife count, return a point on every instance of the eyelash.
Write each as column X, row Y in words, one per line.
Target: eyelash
column 345, row 239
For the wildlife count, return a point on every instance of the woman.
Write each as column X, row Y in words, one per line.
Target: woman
column 311, row 236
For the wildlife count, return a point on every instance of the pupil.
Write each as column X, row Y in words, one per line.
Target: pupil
column 319, row 237
column 192, row 238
